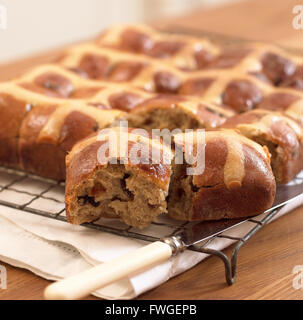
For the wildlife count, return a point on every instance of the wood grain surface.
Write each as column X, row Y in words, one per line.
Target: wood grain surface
column 266, row 262
column 269, row 20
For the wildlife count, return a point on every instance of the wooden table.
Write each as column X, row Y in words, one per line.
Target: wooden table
column 266, row 262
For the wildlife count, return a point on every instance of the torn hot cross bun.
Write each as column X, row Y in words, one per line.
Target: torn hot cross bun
column 237, row 180
column 280, row 133
column 130, row 184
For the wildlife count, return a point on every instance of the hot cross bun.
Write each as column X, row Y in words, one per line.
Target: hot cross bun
column 236, row 173
column 129, row 184
column 281, row 134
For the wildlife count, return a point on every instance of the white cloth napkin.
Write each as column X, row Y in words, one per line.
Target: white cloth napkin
column 53, row 250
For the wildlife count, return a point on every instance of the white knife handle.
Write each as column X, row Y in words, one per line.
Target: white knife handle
column 82, row 284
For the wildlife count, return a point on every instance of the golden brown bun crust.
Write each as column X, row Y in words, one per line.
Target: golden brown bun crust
column 83, row 160
column 281, row 133
column 237, row 180
column 215, row 201
column 12, row 111
column 44, row 159
column 44, row 156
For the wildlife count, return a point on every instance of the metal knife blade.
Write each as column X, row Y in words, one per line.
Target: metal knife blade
column 196, row 232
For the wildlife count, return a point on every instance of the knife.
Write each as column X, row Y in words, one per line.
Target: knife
column 81, row 285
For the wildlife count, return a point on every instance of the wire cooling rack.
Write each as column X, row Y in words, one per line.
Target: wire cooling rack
column 44, row 197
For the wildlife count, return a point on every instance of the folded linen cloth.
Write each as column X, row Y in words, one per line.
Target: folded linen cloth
column 55, row 249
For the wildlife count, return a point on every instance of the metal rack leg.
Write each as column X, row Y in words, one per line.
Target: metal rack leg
column 230, row 269
column 231, row 264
